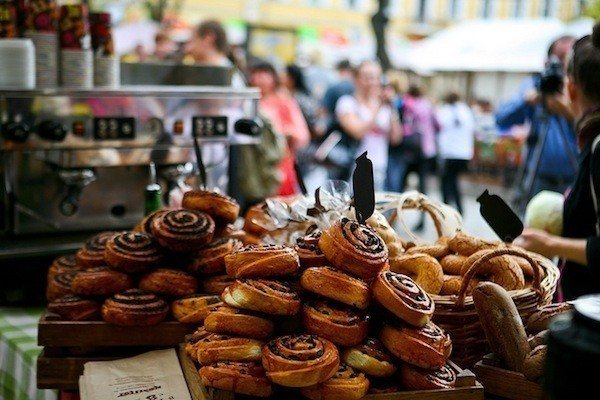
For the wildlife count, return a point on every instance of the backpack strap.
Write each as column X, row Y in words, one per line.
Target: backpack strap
column 595, row 180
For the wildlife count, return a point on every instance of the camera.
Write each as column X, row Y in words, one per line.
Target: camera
column 552, row 78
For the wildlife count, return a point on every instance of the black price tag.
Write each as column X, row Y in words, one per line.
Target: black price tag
column 500, row 217
column 364, row 188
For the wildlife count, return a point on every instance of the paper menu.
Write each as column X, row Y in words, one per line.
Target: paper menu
column 155, row 375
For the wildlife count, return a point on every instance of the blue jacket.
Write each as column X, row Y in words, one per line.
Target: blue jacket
column 555, row 161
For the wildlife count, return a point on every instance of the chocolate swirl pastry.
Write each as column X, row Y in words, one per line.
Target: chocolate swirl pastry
column 263, row 261
column 371, row 358
column 221, row 207
column 74, row 308
column 240, row 377
column 132, row 252
column 210, row 260
column 344, row 326
column 134, row 307
column 428, row 347
column 233, row 321
column 169, row 282
column 216, row 284
column 194, row 308
column 354, row 248
column 100, row 281
column 209, row 347
column 60, row 285
column 415, row 378
column 92, row 253
column 308, row 250
column 184, row 230
column 269, row 297
column 145, row 226
column 300, row 360
column 63, row 264
column 346, row 384
column 402, row 296
column 336, row 285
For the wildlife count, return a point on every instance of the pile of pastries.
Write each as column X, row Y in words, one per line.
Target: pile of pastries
column 136, row 277
column 327, row 318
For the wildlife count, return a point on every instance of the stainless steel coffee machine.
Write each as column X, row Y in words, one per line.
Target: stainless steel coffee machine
column 74, row 161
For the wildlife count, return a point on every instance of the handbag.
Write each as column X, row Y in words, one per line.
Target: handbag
column 337, row 152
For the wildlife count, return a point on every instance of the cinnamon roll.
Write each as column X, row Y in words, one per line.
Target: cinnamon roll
column 269, row 297
column 219, row 206
column 63, row 264
column 264, row 261
column 336, row 285
column 212, row 347
column 145, row 226
column 233, row 321
column 60, row 285
column 184, row 230
column 341, row 325
column 91, row 253
column 239, row 377
column 403, row 297
column 300, row 360
column 354, row 248
column 194, row 308
column 309, row 252
column 169, row 282
column 210, row 260
column 216, row 284
column 100, row 281
column 415, row 378
column 134, row 307
column 428, row 347
column 345, row 384
column 371, row 358
column 132, row 252
column 73, row 308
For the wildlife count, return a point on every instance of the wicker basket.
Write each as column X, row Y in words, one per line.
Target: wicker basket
column 458, row 317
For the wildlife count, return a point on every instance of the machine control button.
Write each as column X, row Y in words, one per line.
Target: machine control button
column 15, row 131
column 52, row 130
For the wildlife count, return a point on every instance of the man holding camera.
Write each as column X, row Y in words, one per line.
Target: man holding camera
column 542, row 103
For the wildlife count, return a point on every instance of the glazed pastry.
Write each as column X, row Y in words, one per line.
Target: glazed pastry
column 300, row 360
column 100, row 281
column 341, row 325
column 269, row 297
column 502, row 270
column 216, row 284
column 336, row 285
column 371, row 358
column 169, row 282
column 184, row 230
column 233, row 321
column 467, row 245
column 134, row 307
column 239, row 377
column 92, row 253
column 540, row 320
column 345, row 384
column 217, row 205
column 533, row 365
column 264, row 261
column 60, row 285
column 63, row 264
column 437, row 250
column 132, row 252
column 255, row 220
column 210, row 260
column 403, row 297
column 194, row 308
column 213, row 347
column 453, row 264
column 309, row 252
column 425, row 270
column 415, row 378
column 452, row 284
column 73, row 308
column 354, row 248
column 428, row 347
column 145, row 226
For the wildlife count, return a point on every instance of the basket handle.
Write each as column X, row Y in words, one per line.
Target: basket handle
column 488, row 255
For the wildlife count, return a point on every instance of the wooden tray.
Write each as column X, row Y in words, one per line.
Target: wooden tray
column 504, row 383
column 467, row 388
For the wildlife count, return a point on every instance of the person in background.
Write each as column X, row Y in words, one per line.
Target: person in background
column 579, row 245
column 287, row 119
column 344, row 86
column 396, row 163
column 367, row 116
column 544, row 113
column 165, row 48
column 455, row 146
column 293, row 81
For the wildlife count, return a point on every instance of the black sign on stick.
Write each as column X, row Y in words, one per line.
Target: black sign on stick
column 364, row 188
column 199, row 161
column 500, row 217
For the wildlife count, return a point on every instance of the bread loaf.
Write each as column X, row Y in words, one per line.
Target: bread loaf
column 502, row 324
column 533, row 365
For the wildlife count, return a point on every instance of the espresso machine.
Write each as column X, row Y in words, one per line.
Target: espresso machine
column 75, row 162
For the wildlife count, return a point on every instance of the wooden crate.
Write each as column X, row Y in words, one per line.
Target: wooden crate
column 504, row 383
column 467, row 388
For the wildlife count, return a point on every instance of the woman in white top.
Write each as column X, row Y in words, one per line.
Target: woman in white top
column 368, row 117
column 455, row 145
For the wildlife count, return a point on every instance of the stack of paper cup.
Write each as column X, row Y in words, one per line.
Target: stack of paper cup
column 77, row 69
column 41, row 27
column 17, row 64
column 77, row 61
column 106, row 63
